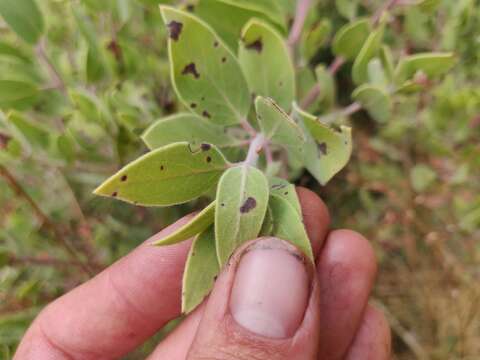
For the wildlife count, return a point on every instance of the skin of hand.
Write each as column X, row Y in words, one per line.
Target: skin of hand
column 268, row 303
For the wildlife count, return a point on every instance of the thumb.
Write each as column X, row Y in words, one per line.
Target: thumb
column 265, row 305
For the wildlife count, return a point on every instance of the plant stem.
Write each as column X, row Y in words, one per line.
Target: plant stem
column 42, row 218
column 256, row 146
column 58, row 82
column 298, row 22
column 248, row 128
column 386, row 6
column 351, row 109
column 313, row 93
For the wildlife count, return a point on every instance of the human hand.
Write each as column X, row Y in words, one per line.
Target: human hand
column 266, row 304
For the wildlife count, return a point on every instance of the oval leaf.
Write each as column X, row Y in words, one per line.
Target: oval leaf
column 349, row 40
column 242, row 198
column 198, row 224
column 282, row 188
column 315, row 38
column 288, row 225
column 31, row 133
column 369, row 50
column 375, row 100
column 185, row 127
column 205, row 74
column 327, row 85
column 24, row 17
column 15, row 93
column 327, row 150
column 266, row 62
column 278, row 127
column 200, row 272
column 431, row 64
column 170, row 175
column 228, row 18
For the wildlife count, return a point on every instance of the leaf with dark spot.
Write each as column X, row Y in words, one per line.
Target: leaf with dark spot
column 244, row 191
column 193, row 105
column 191, row 69
column 175, row 28
column 205, row 146
column 256, row 45
column 123, row 178
column 322, row 148
column 206, row 114
column 248, row 205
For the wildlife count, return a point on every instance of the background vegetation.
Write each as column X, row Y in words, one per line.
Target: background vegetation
column 99, row 75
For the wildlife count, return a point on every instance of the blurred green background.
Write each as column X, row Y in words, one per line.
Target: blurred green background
column 100, row 74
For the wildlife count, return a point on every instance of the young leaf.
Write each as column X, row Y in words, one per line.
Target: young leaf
column 327, row 150
column 375, row 100
column 242, row 198
column 282, row 188
column 347, row 8
column 206, row 75
column 15, row 93
column 24, row 17
column 386, row 58
column 266, row 62
column 350, row 38
column 228, row 17
column 431, row 64
column 376, row 73
column 185, row 127
column 201, row 270
column 288, row 225
column 315, row 38
column 199, row 223
column 31, row 133
column 170, row 175
column 278, row 127
column 369, row 50
column 327, row 85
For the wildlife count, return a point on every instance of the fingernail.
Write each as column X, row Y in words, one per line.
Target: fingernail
column 271, row 289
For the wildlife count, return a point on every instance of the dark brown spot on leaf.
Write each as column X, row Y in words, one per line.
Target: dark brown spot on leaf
column 280, row 83
column 162, row 167
column 205, row 147
column 215, row 44
column 209, row 159
column 175, row 28
column 285, row 193
column 191, row 69
column 206, row 114
column 203, row 98
column 322, row 148
column 123, row 178
column 257, row 45
column 224, row 59
column 114, row 194
column 222, row 204
column 190, row 7
column 248, row 205
column 193, row 105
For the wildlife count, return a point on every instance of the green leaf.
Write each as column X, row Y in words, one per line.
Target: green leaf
column 267, row 226
column 431, row 64
column 347, row 8
column 16, row 93
column 228, row 17
column 428, row 6
column 369, row 50
column 242, row 198
column 282, row 188
column 376, row 73
column 206, row 75
column 199, row 223
column 328, row 87
column 24, row 17
column 66, row 147
column 350, row 38
column 30, row 132
column 277, row 126
column 315, row 38
column 327, row 150
column 266, row 63
column 185, row 127
column 288, row 225
column 170, row 175
column 201, row 270
column 375, row 100
column 386, row 58
column 421, row 177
